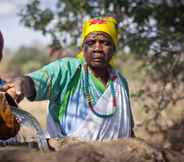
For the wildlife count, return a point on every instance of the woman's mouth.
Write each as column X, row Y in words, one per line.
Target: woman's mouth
column 98, row 59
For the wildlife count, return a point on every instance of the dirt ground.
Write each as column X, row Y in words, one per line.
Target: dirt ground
column 67, row 150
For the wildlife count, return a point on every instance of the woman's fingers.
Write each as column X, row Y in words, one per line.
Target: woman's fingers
column 15, row 89
column 6, row 86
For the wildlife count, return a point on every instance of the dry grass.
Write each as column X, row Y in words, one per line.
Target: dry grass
column 37, row 109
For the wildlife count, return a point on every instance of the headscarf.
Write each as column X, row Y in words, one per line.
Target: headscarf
column 1, row 45
column 107, row 25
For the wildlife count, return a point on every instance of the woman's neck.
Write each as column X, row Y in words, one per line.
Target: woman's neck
column 101, row 74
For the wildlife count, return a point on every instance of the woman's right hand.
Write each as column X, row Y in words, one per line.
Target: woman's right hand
column 15, row 88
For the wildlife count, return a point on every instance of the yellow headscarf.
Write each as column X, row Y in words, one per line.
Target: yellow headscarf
column 99, row 24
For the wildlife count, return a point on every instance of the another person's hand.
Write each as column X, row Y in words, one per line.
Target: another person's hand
column 9, row 125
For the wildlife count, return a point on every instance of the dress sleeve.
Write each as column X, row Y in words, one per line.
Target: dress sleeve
column 52, row 79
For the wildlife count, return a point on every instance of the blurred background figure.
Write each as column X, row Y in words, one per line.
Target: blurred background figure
column 9, row 125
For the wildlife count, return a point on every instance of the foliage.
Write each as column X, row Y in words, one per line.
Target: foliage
column 142, row 23
column 165, row 87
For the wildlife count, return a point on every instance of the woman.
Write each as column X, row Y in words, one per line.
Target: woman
column 88, row 99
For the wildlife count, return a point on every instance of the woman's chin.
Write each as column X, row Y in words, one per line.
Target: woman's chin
column 98, row 64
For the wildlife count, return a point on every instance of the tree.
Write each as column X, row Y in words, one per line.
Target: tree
column 142, row 23
column 153, row 30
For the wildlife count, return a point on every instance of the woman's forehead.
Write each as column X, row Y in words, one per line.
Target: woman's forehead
column 94, row 35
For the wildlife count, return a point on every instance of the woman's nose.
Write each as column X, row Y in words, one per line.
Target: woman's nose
column 98, row 46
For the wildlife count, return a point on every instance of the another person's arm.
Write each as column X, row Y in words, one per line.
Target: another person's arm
column 9, row 126
column 20, row 87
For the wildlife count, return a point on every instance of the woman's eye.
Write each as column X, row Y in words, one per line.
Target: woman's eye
column 107, row 43
column 90, row 42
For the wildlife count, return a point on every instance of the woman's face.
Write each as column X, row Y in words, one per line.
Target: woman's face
column 98, row 49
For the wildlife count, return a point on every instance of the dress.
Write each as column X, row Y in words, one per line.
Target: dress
column 63, row 84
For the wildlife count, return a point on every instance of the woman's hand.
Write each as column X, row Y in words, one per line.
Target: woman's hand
column 15, row 88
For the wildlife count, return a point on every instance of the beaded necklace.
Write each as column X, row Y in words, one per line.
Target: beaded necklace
column 89, row 97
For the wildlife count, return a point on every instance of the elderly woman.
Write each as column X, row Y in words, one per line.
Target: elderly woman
column 88, row 99
column 9, row 126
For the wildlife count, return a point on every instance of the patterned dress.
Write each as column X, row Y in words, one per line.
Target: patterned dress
column 63, row 84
